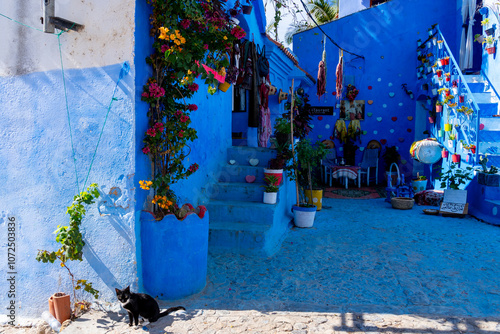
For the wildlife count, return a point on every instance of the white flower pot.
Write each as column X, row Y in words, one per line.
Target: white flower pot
column 304, row 217
column 270, row 198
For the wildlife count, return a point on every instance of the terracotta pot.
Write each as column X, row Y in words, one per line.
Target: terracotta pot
column 444, row 153
column 439, row 73
column 439, row 108
column 224, row 86
column 60, row 306
column 491, row 50
column 447, row 61
column 455, row 157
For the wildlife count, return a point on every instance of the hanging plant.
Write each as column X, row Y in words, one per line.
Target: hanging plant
column 191, row 38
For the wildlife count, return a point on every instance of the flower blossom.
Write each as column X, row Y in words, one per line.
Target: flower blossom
column 145, row 184
column 165, row 48
column 151, row 132
column 193, row 87
column 155, row 90
column 193, row 168
column 158, row 127
column 163, row 33
column 146, row 150
column 185, row 23
column 180, row 134
column 184, row 119
column 192, row 107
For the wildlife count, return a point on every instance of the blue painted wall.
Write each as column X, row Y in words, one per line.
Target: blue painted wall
column 386, row 36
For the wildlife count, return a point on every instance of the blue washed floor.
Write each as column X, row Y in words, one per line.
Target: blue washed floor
column 364, row 256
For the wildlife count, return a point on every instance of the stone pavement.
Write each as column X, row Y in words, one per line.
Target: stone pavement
column 363, row 268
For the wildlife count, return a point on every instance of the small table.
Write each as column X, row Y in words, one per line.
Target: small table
column 347, row 172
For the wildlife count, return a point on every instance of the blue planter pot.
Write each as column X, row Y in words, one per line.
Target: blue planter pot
column 174, row 255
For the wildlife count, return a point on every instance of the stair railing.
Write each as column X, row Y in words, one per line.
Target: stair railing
column 468, row 124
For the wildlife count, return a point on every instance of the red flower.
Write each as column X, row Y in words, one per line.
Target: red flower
column 164, row 48
column 159, row 127
column 185, row 23
column 184, row 118
column 145, row 94
column 193, row 107
column 146, row 150
column 193, row 87
column 181, row 134
column 151, row 132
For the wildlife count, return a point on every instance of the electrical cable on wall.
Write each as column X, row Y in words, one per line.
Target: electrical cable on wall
column 331, row 40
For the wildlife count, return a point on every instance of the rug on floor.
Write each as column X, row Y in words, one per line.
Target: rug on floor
column 355, row 193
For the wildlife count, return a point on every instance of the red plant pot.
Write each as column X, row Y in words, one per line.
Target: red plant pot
column 491, row 50
column 439, row 108
column 473, row 150
column 60, row 306
column 446, row 61
column 439, row 73
column 455, row 158
column 278, row 173
column 461, row 99
column 444, row 153
column 448, row 78
column 447, row 93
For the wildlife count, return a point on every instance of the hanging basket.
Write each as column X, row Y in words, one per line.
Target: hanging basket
column 491, row 50
column 247, row 9
column 224, row 86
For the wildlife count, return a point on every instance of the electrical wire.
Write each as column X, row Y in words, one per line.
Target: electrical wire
column 331, row 40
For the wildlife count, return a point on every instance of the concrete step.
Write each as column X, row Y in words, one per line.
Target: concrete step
column 475, row 83
column 243, row 154
column 239, row 237
column 490, row 148
column 238, row 191
column 237, row 173
column 252, row 212
column 491, row 124
column 487, row 103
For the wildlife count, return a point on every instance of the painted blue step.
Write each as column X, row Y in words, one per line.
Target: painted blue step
column 475, row 83
column 487, row 104
column 237, row 173
column 250, row 212
column 237, row 191
column 490, row 148
column 491, row 124
column 239, row 237
column 243, row 154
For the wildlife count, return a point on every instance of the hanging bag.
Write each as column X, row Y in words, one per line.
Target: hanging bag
column 262, row 62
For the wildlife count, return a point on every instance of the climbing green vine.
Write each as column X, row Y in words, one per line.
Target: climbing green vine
column 71, row 241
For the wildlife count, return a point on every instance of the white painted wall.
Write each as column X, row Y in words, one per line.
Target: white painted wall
column 347, row 7
column 105, row 40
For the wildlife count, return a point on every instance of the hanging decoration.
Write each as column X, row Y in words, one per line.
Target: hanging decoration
column 354, row 130
column 340, row 75
column 265, row 129
column 340, row 131
column 321, row 80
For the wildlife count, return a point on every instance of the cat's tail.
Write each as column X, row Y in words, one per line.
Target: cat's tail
column 170, row 310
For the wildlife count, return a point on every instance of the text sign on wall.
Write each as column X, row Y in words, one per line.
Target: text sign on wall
column 321, row 110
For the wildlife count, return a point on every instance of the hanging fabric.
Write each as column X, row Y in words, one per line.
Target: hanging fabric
column 265, row 129
column 354, row 130
column 469, row 60
column 321, row 79
column 340, row 75
column 340, row 131
column 463, row 41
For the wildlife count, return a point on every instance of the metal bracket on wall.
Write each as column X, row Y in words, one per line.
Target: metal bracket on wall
column 51, row 22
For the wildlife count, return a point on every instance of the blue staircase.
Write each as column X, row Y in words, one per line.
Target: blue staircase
column 239, row 221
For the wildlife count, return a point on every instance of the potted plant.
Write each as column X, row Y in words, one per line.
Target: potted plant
column 309, row 158
column 439, row 106
column 490, row 44
column 454, row 176
column 488, row 177
column 391, row 155
column 444, row 153
column 275, row 169
column 440, row 44
column 478, row 38
column 419, row 183
column 72, row 243
column 271, row 189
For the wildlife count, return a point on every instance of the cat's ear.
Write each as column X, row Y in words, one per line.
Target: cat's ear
column 127, row 289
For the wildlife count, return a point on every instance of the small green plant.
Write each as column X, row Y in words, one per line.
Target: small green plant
column 489, row 40
column 485, row 22
column 455, row 176
column 71, row 241
column 483, row 161
column 271, row 188
column 465, row 110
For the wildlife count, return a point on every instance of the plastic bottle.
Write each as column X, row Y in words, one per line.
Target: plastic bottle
column 53, row 323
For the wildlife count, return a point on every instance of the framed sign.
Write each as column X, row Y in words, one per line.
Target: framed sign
column 321, row 111
column 352, row 110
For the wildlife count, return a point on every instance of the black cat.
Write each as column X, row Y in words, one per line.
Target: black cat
column 141, row 304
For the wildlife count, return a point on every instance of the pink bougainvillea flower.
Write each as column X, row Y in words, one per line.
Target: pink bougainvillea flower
column 185, row 23
column 145, row 94
column 151, row 132
column 193, row 168
column 180, row 134
column 178, row 113
column 159, row 127
column 205, row 46
column 146, row 150
column 165, row 48
column 184, row 118
column 193, row 87
column 193, row 107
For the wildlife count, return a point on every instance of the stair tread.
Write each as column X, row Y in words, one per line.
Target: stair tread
column 242, row 203
column 484, row 98
column 238, row 226
column 473, row 78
